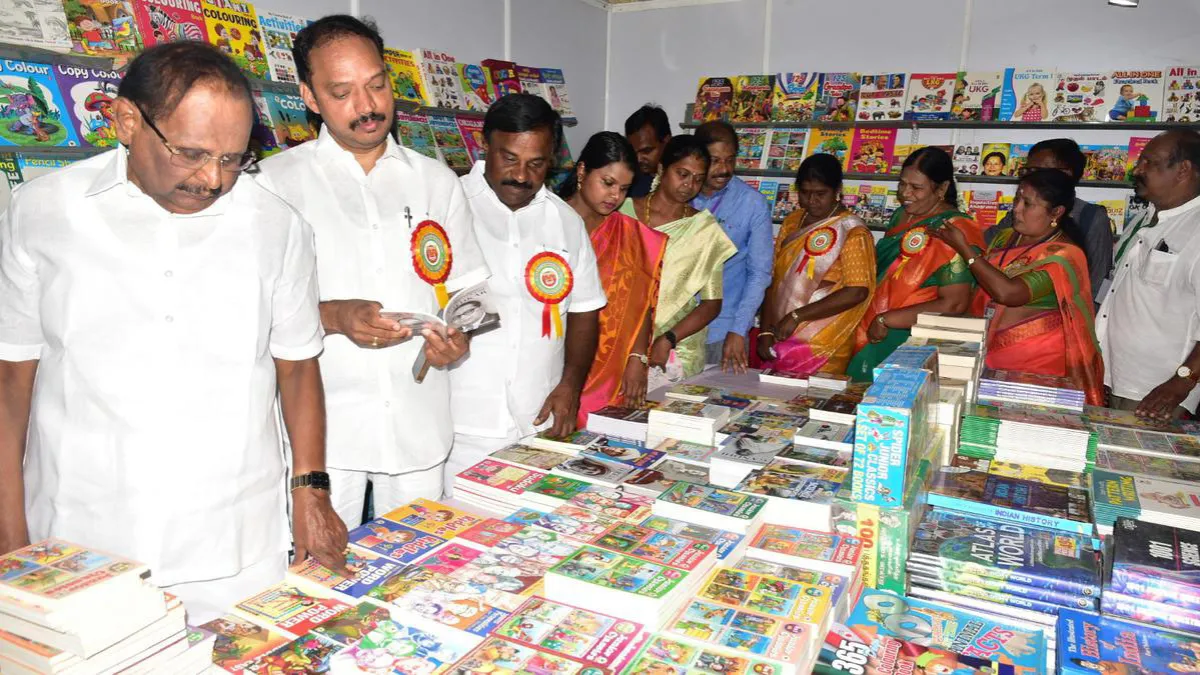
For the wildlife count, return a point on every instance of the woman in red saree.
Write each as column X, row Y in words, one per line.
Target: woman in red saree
column 1035, row 279
column 629, row 258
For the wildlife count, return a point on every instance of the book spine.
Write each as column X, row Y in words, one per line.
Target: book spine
column 1025, row 579
column 1150, row 612
column 994, row 512
column 1008, row 587
column 1146, row 587
column 985, row 595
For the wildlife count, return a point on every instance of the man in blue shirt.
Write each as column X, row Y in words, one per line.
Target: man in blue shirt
column 746, row 218
column 648, row 131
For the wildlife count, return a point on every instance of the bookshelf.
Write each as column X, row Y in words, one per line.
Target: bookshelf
column 882, row 177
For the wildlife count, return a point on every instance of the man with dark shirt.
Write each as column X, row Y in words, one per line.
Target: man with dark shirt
column 648, row 130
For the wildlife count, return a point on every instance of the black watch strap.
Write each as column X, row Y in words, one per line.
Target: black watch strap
column 313, row 479
column 670, row 335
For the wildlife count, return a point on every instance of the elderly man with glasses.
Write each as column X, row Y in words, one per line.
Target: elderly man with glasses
column 152, row 307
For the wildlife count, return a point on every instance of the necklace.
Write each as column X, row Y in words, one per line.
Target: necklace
column 1004, row 256
column 650, row 199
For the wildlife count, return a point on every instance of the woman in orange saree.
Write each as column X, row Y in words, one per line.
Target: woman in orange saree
column 824, row 274
column 1034, row 278
column 629, row 259
column 916, row 273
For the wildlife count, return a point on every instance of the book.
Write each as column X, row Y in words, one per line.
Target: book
column 881, row 97
column 820, row 551
column 752, row 98
column 289, row 119
column 1156, row 562
column 706, row 625
column 1105, row 162
column 930, row 96
column 530, row 458
column 658, row 478
column 1087, row 643
column 977, row 95
column 666, row 655
column 654, row 546
column 439, row 79
column 474, row 86
column 232, row 27
column 1137, row 96
column 287, row 609
column 1148, row 466
column 784, row 149
column 434, row 518
column 489, row 531
column 32, row 108
column 891, row 435
column 843, row 590
column 615, row 504
column 1180, row 102
column 967, row 159
column 1165, row 614
column 994, row 159
column 279, row 30
column 503, row 75
column 834, row 142
column 1152, row 500
column 405, row 75
column 773, row 596
column 950, row 584
column 593, row 470
column 630, row 423
column 871, row 150
column 837, row 97
column 239, row 642
column 40, row 23
column 612, row 583
column 471, row 130
column 955, row 579
column 821, row 457
column 161, row 21
column 396, row 647
column 714, row 99
column 369, row 570
column 984, row 205
column 795, row 96
column 1060, row 477
column 531, row 81
column 752, row 149
column 554, row 84
column 601, row 642
column 414, row 133
column 49, row 577
column 1012, row 499
column 728, row 544
column 714, row 507
column 103, row 28
column 613, row 450
column 741, row 453
column 577, row 523
column 450, row 142
column 1026, row 95
column 1080, row 97
column 554, row 490
column 88, row 94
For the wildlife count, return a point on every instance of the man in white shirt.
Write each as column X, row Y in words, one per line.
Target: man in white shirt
column 544, row 285
column 369, row 201
column 160, row 302
column 1149, row 322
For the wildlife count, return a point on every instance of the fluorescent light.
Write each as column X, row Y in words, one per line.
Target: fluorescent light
column 1123, row 3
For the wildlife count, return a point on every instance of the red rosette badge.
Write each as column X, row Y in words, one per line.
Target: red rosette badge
column 817, row 244
column 432, row 258
column 549, row 280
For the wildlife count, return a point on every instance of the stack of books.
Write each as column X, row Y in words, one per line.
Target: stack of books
column 820, row 434
column 615, row 583
column 1182, row 446
column 552, row 491
column 1089, row 644
column 571, row 444
column 1155, row 575
column 687, row 421
column 1008, row 570
column 772, row 376
column 494, row 486
column 1045, row 437
column 796, row 493
column 820, row 457
column 689, row 453
column 829, row 405
column 912, row 357
column 1007, row 386
column 891, row 436
column 662, row 475
column 1165, row 502
column 840, row 596
column 741, row 590
column 957, row 359
column 955, row 328
column 962, row 347
column 808, row 549
column 531, row 458
column 662, row 653
column 1019, row 501
column 57, row 604
column 742, row 453
column 949, row 419
column 628, row 423
column 729, row 545
column 712, row 507
column 783, row 645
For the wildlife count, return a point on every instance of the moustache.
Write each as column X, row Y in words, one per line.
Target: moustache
column 199, row 191
column 367, row 117
column 508, row 182
column 720, row 176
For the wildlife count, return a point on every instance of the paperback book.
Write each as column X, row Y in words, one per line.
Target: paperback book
column 714, row 99
column 785, row 149
column 881, row 97
column 475, row 89
column 88, row 94
column 796, row 96
column 1156, row 562
column 664, row 655
column 279, row 30
column 660, row 477
column 833, row 553
column 1180, row 100
column 40, row 23
column 161, row 21
column 657, row 547
column 977, row 96
column 1081, row 97
column 405, row 74
column 34, row 113
column 602, row 643
column 1026, row 95
column 930, row 96
column 503, row 75
column 752, row 98
column 439, row 74
column 395, row 647
column 1087, row 643
column 837, row 97
column 450, row 141
column 398, row 542
column 232, row 27
column 728, row 544
column 104, row 27
column 554, row 83
column 871, row 150
column 773, row 596
column 706, row 625
column 1137, row 96
column 706, row 505
column 369, row 571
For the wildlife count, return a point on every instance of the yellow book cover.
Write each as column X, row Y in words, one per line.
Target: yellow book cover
column 835, row 142
column 1116, row 211
column 233, row 28
column 405, row 75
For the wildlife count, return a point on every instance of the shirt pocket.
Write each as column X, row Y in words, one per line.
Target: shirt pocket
column 1157, row 269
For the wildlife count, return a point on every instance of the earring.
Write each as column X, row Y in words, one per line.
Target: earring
column 578, row 183
column 1053, row 224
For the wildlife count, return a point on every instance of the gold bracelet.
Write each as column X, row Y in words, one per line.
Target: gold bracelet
column 640, row 357
column 765, row 332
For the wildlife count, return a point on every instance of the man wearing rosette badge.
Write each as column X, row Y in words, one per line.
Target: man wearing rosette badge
column 527, row 374
column 393, row 230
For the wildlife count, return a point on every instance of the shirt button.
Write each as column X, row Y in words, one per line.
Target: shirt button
column 168, row 274
column 169, row 319
column 387, row 404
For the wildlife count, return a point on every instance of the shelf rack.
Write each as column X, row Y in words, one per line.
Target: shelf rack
column 891, row 177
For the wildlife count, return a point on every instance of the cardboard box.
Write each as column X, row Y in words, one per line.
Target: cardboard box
column 891, row 434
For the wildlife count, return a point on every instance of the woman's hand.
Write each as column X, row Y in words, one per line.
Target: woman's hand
column 660, row 351
column 952, row 237
column 787, row 325
column 633, row 384
column 763, row 346
column 878, row 329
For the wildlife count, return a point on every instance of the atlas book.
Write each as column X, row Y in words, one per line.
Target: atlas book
column 161, row 21
column 752, row 98
column 834, row 142
column 103, row 27
column 955, row 580
column 88, row 94
column 714, row 99
column 439, row 75
column 33, row 113
column 279, row 30
column 232, row 27
column 930, row 96
column 881, row 97
column 475, row 86
column 796, row 96
column 977, row 96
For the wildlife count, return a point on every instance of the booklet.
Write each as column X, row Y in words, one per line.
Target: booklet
column 469, row 311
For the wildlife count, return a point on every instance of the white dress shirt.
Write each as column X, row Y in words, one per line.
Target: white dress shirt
column 1150, row 318
column 379, row 419
column 510, row 371
column 153, row 429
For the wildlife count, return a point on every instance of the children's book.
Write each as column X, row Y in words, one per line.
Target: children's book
column 871, row 150
column 575, row 522
column 435, row 518
column 666, row 655
column 413, row 132
column 727, row 543
column 233, row 28
column 394, row 647
column 405, row 74
column 287, row 609
column 752, row 98
column 474, row 86
column 1181, row 95
column 439, row 74
column 994, row 159
column 38, row 23
column 531, row 81
column 1026, row 95
column 707, row 625
column 967, row 159
column 369, row 571
column 615, row 571
column 289, row 119
column 593, row 470
column 930, row 96
column 881, row 97
column 752, row 148
column 977, row 95
column 1136, row 145
column 556, row 489
column 660, row 477
column 450, row 141
column 349, row 627
column 832, row 552
column 1018, row 157
column 279, row 30
column 162, row 21
column 601, row 642
column 239, row 642
column 307, row 651
column 499, row 655
column 1137, row 96
column 837, row 97
column 900, row 154
column 834, row 142
column 503, row 75
column 773, row 596
column 1081, row 97
column 1105, row 162
column 103, row 27
column 714, row 99
column 33, row 112
column 795, row 96
column 89, row 94
column 657, row 547
column 554, row 83
column 471, row 130
column 713, row 500
column 616, row 504
column 786, row 200
column 530, row 458
column 785, row 150
column 1087, row 643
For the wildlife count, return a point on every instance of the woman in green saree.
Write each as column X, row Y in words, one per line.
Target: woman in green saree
column 689, row 297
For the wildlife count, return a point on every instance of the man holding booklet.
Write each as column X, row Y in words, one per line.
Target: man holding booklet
column 394, row 240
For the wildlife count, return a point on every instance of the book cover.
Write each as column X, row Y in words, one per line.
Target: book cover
column 289, row 119
column 613, row 503
column 1144, row 498
column 435, row 518
column 475, row 88
column 33, row 112
column 834, row 142
column 752, row 449
column 1023, row 501
column 1018, row 157
column 714, row 99
column 554, row 84
column 1137, row 96
column 500, row 476
column 930, row 96
column 1165, row 614
column 1156, row 562
column 369, row 571
column 844, row 648
column 995, row 549
column 871, row 150
column 393, row 647
column 503, row 75
column 575, row 522
column 239, row 642
column 233, row 28
column 88, row 94
column 752, row 150
column 1026, row 94
column 663, row 655
column 531, row 81
column 660, row 477
column 53, row 570
column 489, row 531
column 656, row 547
column 471, row 130
column 595, row 470
column 714, row 500
column 537, row 545
column 815, row 485
column 601, row 642
column 39, row 23
column 837, row 97
column 499, row 655
column 785, row 149
column 612, row 450
column 795, row 96
column 103, row 27
column 450, row 141
column 162, row 21
column 881, row 97
column 540, row 460
column 705, row 624
column 309, row 652
column 405, row 75
column 977, row 96
column 949, row 578
column 899, row 154
column 414, row 133
column 1081, row 97
column 459, row 604
column 801, row 543
column 558, row 488
column 995, row 157
column 947, row 584
column 1087, row 643
column 1180, row 100
column 1105, row 162
column 773, row 596
column 967, row 159
column 726, row 542
column 612, row 570
column 1134, row 150
column 287, row 609
column 821, row 457
column 752, row 98
column 837, row 585
column 439, row 74
column 349, row 627
column 279, row 30
column 984, row 206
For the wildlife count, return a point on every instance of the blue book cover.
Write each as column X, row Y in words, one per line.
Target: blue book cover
column 1156, row 562
column 937, row 576
column 398, row 542
column 33, row 113
column 969, row 591
column 1089, row 644
column 1016, row 500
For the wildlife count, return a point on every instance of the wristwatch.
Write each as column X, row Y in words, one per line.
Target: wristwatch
column 1186, row 373
column 318, row 480
column 640, row 357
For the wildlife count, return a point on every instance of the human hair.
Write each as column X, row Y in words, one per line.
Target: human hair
column 158, row 78
column 936, row 165
column 519, row 113
column 684, row 146
column 325, row 30
column 602, row 149
column 823, row 168
column 995, row 153
column 1056, row 189
column 1066, row 151
column 717, row 131
column 649, row 115
column 1041, row 104
column 1185, row 144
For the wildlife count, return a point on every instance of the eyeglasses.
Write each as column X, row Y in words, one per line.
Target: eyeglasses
column 193, row 159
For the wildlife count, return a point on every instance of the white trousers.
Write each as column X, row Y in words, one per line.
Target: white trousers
column 389, row 491
column 468, row 451
column 208, row 600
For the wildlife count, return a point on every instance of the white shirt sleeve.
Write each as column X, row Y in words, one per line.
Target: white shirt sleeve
column 296, row 332
column 588, row 294
column 1193, row 285
column 468, row 267
column 21, row 337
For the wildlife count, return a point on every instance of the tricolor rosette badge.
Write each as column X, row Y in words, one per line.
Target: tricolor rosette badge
column 549, row 280
column 913, row 242
column 432, row 257
column 818, row 243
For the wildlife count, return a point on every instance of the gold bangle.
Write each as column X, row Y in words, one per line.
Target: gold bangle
column 765, row 332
